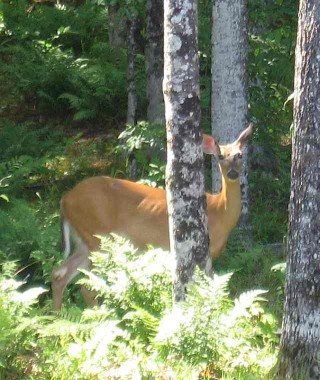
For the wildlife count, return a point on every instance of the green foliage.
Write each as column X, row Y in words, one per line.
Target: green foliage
column 4, row 184
column 205, row 47
column 212, row 332
column 25, row 153
column 136, row 333
column 255, row 268
column 98, row 84
column 273, row 26
column 29, row 239
column 59, row 59
column 146, row 143
column 16, row 317
column 131, row 278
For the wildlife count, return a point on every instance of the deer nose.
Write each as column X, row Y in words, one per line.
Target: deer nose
column 233, row 174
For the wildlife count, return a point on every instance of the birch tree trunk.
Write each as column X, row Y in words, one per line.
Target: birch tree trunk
column 154, row 61
column 229, row 106
column 132, row 92
column 300, row 341
column 189, row 242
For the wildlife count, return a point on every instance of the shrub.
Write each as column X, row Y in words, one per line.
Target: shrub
column 145, row 144
column 25, row 152
column 17, row 340
column 59, row 62
column 135, row 331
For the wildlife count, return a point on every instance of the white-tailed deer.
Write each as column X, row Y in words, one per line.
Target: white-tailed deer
column 101, row 205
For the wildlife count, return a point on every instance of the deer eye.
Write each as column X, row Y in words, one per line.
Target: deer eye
column 221, row 157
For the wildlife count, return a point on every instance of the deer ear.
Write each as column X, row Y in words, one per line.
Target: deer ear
column 244, row 136
column 210, row 146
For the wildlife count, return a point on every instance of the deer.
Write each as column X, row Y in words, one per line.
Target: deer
column 101, row 205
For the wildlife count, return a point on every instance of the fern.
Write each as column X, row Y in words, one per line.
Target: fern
column 75, row 101
column 84, row 114
column 16, row 319
column 142, row 321
column 4, row 184
column 244, row 302
column 209, row 328
column 137, row 332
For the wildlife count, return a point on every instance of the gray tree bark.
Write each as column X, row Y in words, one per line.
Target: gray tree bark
column 132, row 92
column 189, row 241
column 117, row 27
column 300, row 340
column 154, row 61
column 229, row 108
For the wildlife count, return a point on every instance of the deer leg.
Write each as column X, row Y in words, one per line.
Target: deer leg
column 90, row 296
column 66, row 272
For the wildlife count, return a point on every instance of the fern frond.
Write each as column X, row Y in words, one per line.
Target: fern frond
column 75, row 101
column 29, row 297
column 101, row 314
column 242, row 305
column 84, row 114
column 149, row 321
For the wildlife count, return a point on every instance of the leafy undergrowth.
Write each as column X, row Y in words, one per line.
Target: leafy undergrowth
column 135, row 333
column 41, row 162
column 261, row 266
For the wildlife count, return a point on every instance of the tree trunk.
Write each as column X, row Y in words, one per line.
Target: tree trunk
column 154, row 61
column 188, row 228
column 300, row 340
column 132, row 92
column 229, row 107
column 117, row 27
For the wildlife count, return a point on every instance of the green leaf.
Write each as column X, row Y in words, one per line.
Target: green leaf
column 84, row 114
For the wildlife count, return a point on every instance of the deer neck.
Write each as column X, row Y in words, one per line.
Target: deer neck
column 230, row 198
column 226, row 206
